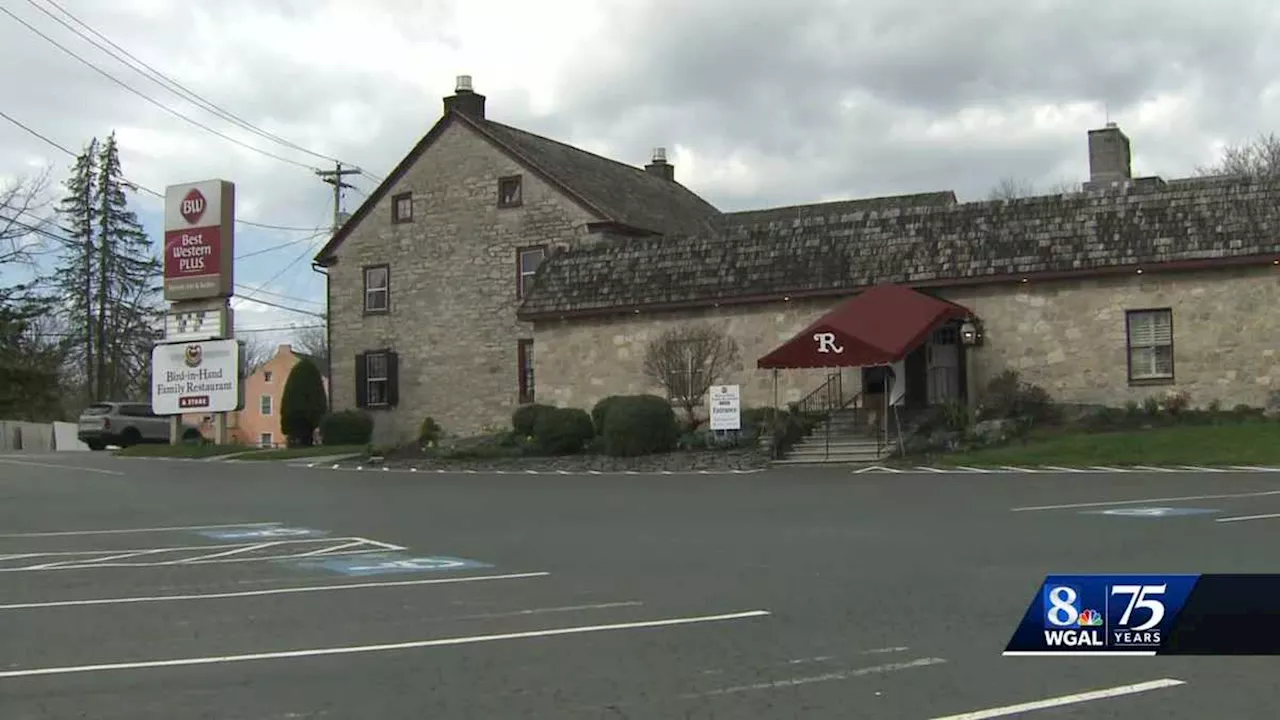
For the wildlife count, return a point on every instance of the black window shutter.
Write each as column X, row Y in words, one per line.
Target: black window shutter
column 362, row 382
column 393, row 379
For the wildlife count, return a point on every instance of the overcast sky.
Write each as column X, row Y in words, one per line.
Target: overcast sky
column 759, row 102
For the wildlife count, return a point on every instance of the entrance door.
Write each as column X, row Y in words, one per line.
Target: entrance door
column 943, row 359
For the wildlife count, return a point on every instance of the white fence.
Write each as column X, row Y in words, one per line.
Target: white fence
column 16, row 436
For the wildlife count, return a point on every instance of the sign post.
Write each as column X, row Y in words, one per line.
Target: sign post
column 197, row 366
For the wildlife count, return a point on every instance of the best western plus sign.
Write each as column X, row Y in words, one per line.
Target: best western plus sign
column 199, row 240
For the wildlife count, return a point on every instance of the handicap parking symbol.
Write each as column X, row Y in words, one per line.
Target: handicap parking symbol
column 1152, row 512
column 262, row 533
column 385, row 563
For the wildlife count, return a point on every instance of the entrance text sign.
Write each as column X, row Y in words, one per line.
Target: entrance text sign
column 199, row 240
column 726, row 407
column 199, row 377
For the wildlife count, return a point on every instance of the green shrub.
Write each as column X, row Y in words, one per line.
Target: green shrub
column 601, row 410
column 348, row 427
column 429, row 432
column 1007, row 397
column 303, row 403
column 640, row 425
column 563, row 431
column 525, row 418
column 788, row 428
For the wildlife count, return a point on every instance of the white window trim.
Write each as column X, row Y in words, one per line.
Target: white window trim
column 266, row 440
column 270, row 404
column 525, row 275
column 371, row 291
column 370, row 379
column 1144, row 331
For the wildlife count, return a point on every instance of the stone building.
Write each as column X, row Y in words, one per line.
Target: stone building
column 494, row 266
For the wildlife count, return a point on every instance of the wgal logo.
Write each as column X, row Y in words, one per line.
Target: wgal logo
column 1066, row 622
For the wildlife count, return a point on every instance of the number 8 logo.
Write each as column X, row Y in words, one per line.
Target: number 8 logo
column 1063, row 611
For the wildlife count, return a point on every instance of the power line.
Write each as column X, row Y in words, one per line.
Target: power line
column 165, row 81
column 276, row 294
column 148, row 98
column 63, row 148
column 250, row 298
column 282, row 245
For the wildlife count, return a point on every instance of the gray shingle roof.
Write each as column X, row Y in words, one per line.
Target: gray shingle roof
column 928, row 244
column 625, row 193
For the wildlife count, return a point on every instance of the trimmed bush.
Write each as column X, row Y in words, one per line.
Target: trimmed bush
column 640, row 425
column 601, row 410
column 303, row 403
column 1007, row 397
column 348, row 427
column 429, row 432
column 525, row 418
column 563, row 431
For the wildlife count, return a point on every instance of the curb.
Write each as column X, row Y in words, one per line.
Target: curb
column 440, row 471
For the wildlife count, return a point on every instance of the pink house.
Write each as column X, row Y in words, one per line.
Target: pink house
column 259, row 422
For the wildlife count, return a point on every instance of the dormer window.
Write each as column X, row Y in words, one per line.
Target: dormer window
column 509, row 192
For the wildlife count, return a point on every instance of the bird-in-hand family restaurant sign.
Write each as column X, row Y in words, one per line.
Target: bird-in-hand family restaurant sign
column 199, row 240
column 196, row 377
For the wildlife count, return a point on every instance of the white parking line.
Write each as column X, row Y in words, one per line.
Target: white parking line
column 1144, row 500
column 60, row 533
column 1104, row 468
column 1197, row 468
column 974, row 469
column 1064, row 469
column 348, row 650
column 1248, row 517
column 274, row 591
column 1149, row 468
column 1066, row 700
column 825, row 677
column 197, row 554
column 60, row 467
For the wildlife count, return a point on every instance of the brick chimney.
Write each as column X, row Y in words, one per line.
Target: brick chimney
column 465, row 100
column 1109, row 157
column 660, row 167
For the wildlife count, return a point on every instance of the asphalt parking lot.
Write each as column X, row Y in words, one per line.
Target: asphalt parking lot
column 134, row 588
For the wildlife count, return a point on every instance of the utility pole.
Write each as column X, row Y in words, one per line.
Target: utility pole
column 334, row 178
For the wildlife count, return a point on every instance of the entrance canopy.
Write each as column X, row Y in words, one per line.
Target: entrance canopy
column 879, row 326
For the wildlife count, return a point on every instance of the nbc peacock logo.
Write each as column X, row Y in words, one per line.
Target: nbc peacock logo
column 1090, row 618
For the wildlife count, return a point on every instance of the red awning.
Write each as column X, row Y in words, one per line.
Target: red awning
column 879, row 326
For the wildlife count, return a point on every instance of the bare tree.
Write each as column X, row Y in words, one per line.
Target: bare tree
column 1257, row 158
column 314, row 341
column 23, row 223
column 1011, row 188
column 687, row 360
column 257, row 352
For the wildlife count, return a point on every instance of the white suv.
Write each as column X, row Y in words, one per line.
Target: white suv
column 125, row 424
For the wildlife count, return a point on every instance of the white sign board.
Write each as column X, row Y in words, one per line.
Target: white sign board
column 726, row 407
column 188, row 325
column 195, row 377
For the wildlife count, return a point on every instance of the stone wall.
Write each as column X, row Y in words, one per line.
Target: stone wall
column 578, row 362
column 453, row 287
column 1067, row 336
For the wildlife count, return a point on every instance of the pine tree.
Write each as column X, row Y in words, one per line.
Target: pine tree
column 108, row 276
column 128, row 308
column 74, row 278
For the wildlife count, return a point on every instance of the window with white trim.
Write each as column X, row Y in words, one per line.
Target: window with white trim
column 377, row 289
column 266, row 440
column 1149, row 336
column 264, row 405
column 529, row 259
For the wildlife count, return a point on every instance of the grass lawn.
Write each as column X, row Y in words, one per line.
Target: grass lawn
column 181, row 451
column 1251, row 443
column 306, row 452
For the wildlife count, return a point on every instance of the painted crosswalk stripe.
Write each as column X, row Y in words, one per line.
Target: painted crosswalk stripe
column 1018, row 469
column 1063, row 469
column 973, row 469
column 1195, row 468
column 932, row 470
column 1151, row 468
column 1255, row 468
